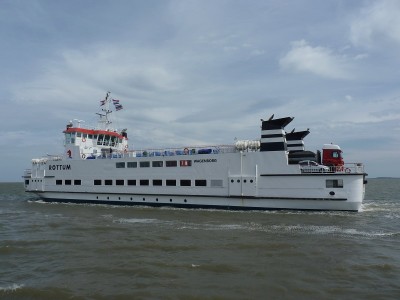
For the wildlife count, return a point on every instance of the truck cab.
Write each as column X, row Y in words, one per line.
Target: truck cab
column 332, row 156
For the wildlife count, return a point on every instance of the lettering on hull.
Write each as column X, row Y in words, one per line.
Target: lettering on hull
column 205, row 160
column 59, row 167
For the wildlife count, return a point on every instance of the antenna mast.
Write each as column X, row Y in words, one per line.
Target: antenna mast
column 104, row 121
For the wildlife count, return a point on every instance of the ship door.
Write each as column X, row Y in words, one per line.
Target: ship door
column 235, row 185
column 37, row 176
column 242, row 186
column 249, row 186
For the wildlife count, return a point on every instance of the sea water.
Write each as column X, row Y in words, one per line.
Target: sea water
column 78, row 251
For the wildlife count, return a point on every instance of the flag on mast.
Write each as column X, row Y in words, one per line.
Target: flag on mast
column 117, row 105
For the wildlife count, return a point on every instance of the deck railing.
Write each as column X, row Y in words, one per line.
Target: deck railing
column 349, row 168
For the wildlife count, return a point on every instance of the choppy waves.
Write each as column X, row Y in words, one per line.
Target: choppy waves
column 302, row 229
column 75, row 251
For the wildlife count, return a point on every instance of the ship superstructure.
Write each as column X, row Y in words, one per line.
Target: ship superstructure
column 273, row 172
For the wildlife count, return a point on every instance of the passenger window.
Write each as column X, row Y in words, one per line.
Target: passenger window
column 186, row 182
column 132, row 164
column 120, row 165
column 171, row 163
column 334, row 183
column 157, row 164
column 144, row 164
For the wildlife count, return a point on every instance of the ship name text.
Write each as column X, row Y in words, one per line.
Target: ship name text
column 209, row 160
column 59, row 167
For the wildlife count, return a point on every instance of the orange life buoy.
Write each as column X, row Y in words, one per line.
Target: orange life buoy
column 348, row 170
column 83, row 140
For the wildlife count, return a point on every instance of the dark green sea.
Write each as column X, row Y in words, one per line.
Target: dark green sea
column 71, row 251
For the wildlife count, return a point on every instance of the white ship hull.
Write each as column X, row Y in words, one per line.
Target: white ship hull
column 226, row 180
column 211, row 202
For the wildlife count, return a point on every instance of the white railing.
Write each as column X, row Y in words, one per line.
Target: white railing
column 348, row 168
column 192, row 150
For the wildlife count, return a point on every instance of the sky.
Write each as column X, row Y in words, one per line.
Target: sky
column 202, row 72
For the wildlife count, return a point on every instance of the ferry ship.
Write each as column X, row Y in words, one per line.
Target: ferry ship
column 272, row 172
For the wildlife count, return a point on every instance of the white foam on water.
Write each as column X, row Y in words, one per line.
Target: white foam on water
column 332, row 230
column 136, row 220
column 11, row 288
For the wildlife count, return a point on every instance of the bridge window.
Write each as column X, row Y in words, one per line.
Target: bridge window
column 100, row 139
column 70, row 138
column 106, row 141
column 113, row 138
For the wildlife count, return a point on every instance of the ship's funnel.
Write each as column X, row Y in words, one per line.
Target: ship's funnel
column 294, row 140
column 273, row 134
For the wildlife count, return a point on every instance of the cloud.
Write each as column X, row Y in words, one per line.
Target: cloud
column 377, row 22
column 197, row 72
column 320, row 61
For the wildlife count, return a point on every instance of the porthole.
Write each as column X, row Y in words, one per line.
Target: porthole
column 131, row 198
column 97, row 197
column 108, row 198
column 157, row 199
column 245, row 181
column 251, row 180
column 238, row 180
column 185, row 200
column 170, row 200
column 119, row 198
column 232, row 180
column 144, row 199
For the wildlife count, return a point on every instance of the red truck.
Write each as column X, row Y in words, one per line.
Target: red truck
column 332, row 157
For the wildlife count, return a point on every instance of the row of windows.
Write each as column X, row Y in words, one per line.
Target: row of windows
column 330, row 183
column 68, row 182
column 105, row 140
column 146, row 182
column 154, row 164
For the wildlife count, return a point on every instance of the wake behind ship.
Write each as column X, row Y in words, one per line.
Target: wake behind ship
column 273, row 172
